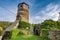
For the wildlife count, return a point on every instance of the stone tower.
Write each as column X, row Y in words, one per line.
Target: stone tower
column 23, row 12
column 59, row 17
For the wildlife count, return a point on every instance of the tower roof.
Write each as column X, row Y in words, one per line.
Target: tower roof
column 23, row 3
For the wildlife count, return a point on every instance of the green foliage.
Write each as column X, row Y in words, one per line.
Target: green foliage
column 49, row 24
column 1, row 28
column 4, row 25
column 23, row 31
column 14, row 33
column 23, row 24
column 45, row 33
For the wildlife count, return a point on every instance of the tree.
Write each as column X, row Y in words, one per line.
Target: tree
column 50, row 24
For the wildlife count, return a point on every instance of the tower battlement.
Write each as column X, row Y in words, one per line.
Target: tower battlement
column 23, row 3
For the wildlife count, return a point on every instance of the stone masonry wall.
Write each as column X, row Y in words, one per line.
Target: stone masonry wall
column 54, row 34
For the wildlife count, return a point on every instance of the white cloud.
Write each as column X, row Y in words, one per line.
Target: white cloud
column 49, row 12
column 52, row 14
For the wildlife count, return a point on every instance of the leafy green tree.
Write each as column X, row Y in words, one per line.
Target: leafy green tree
column 50, row 24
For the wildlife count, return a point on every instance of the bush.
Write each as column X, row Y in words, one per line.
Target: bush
column 45, row 34
column 23, row 32
column 1, row 28
column 23, row 24
column 14, row 33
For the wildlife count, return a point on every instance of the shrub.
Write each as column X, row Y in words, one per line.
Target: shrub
column 14, row 33
column 1, row 28
column 23, row 24
column 23, row 32
column 45, row 34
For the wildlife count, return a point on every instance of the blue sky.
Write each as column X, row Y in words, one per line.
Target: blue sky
column 39, row 10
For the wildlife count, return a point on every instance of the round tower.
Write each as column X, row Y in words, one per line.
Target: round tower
column 23, row 12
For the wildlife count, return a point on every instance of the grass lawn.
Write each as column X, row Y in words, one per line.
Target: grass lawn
column 28, row 37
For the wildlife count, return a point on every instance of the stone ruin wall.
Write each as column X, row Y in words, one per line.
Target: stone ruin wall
column 54, row 34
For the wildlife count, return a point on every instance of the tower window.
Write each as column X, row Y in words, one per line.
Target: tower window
column 21, row 6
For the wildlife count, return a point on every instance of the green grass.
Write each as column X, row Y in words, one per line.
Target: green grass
column 28, row 37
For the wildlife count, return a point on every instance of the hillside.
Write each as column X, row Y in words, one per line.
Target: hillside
column 5, row 24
